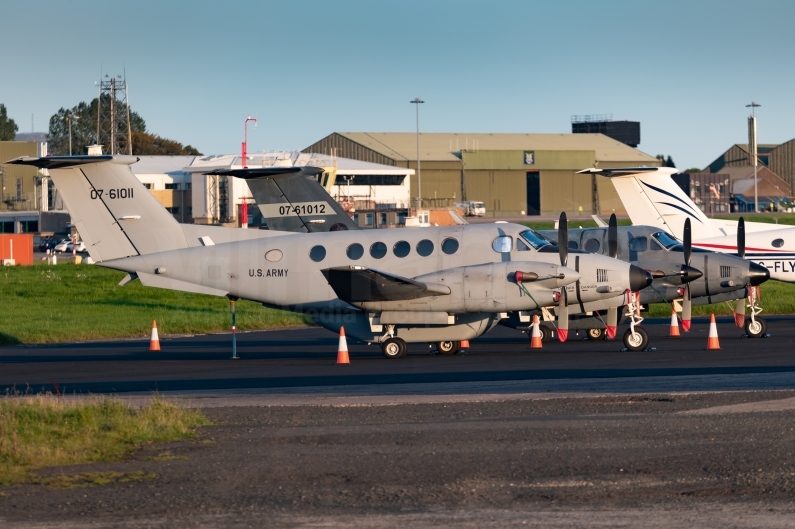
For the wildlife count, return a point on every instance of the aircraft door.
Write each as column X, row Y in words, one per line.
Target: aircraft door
column 593, row 241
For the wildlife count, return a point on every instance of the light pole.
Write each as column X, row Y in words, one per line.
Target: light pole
column 417, row 101
column 752, row 140
column 69, row 117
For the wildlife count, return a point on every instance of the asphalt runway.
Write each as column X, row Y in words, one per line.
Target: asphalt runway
column 296, row 360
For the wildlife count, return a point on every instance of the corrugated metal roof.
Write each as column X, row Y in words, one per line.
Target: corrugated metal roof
column 440, row 146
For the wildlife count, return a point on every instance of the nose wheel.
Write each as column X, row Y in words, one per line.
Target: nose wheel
column 755, row 328
column 394, row 348
column 636, row 339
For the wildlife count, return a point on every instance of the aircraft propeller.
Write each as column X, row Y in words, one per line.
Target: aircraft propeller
column 612, row 251
column 563, row 250
column 687, row 241
column 739, row 309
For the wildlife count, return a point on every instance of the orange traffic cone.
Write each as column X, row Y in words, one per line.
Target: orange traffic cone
column 535, row 334
column 464, row 344
column 154, row 342
column 342, row 350
column 674, row 324
column 712, row 340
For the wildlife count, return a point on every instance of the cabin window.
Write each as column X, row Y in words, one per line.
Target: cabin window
column 401, row 249
column 573, row 245
column 592, row 245
column 355, row 251
column 425, row 247
column 638, row 244
column 274, row 256
column 521, row 246
column 378, row 250
column 317, row 253
column 778, row 243
column 450, row 246
column 502, row 244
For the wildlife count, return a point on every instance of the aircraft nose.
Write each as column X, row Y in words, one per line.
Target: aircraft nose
column 758, row 274
column 638, row 278
column 690, row 274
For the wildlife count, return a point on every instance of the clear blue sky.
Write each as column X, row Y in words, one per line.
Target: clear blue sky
column 684, row 69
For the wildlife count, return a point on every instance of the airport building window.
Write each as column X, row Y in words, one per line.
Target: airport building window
column 425, row 247
column 378, row 250
column 174, row 210
column 148, row 186
column 368, row 219
column 172, row 186
column 450, row 246
column 402, row 249
column 592, row 246
column 274, row 256
column 317, row 253
column 355, row 251
column 502, row 244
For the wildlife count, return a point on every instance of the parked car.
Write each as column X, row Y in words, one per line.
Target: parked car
column 47, row 244
column 81, row 247
column 61, row 246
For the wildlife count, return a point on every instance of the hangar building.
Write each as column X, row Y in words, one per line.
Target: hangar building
column 513, row 174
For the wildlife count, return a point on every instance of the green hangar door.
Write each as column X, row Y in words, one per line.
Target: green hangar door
column 533, row 193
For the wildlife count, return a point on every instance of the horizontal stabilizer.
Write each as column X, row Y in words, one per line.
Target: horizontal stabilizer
column 359, row 284
column 262, row 172
column 59, row 162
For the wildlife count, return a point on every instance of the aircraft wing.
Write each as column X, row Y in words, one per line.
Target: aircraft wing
column 359, row 284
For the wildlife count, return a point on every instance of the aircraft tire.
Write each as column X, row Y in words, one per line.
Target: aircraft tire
column 448, row 347
column 394, row 348
column 757, row 329
column 639, row 342
column 596, row 334
column 546, row 333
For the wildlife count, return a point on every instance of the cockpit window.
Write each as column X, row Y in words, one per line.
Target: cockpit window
column 534, row 239
column 521, row 246
column 667, row 240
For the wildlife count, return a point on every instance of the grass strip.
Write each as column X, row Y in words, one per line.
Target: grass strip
column 46, row 431
column 70, row 302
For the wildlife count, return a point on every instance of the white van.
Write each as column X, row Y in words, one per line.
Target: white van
column 472, row 208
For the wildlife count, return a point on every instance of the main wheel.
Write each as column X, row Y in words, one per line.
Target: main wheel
column 546, row 333
column 394, row 348
column 596, row 334
column 756, row 328
column 637, row 341
column 448, row 347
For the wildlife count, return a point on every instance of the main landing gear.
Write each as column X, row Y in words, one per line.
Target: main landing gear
column 394, row 348
column 448, row 347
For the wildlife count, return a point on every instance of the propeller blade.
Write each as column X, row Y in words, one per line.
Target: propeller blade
column 612, row 237
column 563, row 317
column 688, row 241
column 612, row 322
column 739, row 313
column 741, row 238
column 686, row 308
column 563, row 239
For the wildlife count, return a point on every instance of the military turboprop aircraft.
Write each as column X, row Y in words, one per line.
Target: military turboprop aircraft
column 719, row 277
column 392, row 287
column 298, row 203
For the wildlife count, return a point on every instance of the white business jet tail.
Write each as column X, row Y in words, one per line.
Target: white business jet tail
column 652, row 198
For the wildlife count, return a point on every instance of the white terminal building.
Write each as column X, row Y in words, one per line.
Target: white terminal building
column 375, row 194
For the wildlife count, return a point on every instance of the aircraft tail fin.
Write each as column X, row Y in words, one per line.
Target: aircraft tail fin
column 652, row 198
column 114, row 213
column 291, row 199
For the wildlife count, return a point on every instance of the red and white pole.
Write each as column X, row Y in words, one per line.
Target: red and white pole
column 245, row 140
column 244, row 214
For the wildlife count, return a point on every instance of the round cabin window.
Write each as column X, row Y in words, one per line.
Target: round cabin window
column 450, row 246
column 378, row 250
column 401, row 249
column 425, row 247
column 502, row 244
column 778, row 243
column 592, row 246
column 355, row 251
column 317, row 253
